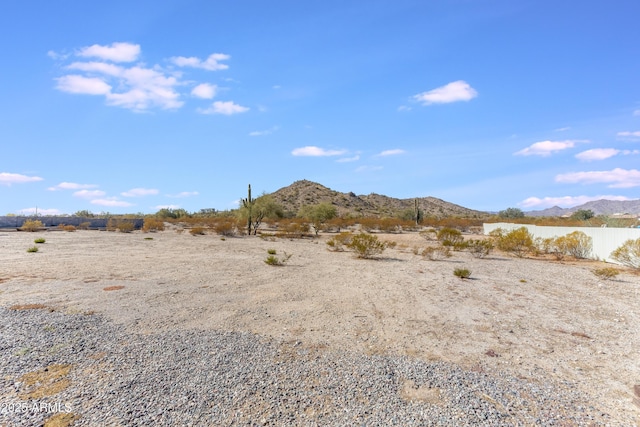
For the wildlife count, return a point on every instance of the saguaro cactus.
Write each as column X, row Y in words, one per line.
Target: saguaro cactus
column 248, row 204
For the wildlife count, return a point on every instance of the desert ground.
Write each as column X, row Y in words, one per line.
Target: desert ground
column 540, row 320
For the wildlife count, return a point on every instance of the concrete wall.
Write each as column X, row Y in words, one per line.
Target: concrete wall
column 605, row 240
column 54, row 221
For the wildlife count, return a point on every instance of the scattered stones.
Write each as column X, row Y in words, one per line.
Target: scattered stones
column 192, row 377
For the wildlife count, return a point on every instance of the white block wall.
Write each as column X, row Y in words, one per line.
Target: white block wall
column 605, row 240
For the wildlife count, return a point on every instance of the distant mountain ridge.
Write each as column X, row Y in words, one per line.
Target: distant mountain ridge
column 599, row 207
column 304, row 192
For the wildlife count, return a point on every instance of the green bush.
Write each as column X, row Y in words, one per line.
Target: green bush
column 339, row 241
column 480, row 248
column 366, row 245
column 463, row 273
column 606, row 273
column 518, row 241
column 33, row 249
column 450, row 237
column 39, row 240
column 628, row 254
column 274, row 260
column 271, row 251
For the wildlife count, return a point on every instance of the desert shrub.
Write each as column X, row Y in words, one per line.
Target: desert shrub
column 273, row 260
column 463, row 273
column 124, row 226
column 628, row 254
column 225, row 227
column 338, row 242
column 152, row 224
column 31, row 225
column 271, row 251
column 197, row 231
column 39, row 240
column 480, row 248
column 450, row 236
column 518, row 241
column 429, row 234
column 511, row 213
column 578, row 245
column 32, row 249
column 606, row 273
column 391, row 243
column 366, row 245
column 84, row 225
column 435, row 253
column 69, row 228
column 293, row 228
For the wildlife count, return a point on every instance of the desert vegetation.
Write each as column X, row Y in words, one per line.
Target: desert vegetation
column 366, row 246
column 628, row 254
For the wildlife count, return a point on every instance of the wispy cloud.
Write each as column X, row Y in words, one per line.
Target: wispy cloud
column 111, row 202
column 546, row 148
column 616, row 178
column 204, row 91
column 7, row 178
column 393, row 152
column 167, row 207
column 404, row 108
column 71, row 186
column 629, row 135
column 604, row 153
column 564, row 129
column 212, row 63
column 313, row 151
column 89, row 194
column 264, row 132
column 349, row 159
column 116, row 52
column 566, row 201
column 224, row 107
column 140, row 192
column 183, row 194
column 452, row 92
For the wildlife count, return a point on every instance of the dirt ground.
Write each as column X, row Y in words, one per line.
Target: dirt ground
column 538, row 319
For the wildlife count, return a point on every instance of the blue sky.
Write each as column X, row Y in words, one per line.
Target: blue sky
column 128, row 107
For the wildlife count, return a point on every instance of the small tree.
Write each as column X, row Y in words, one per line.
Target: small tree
column 255, row 210
column 583, row 214
column 511, row 213
column 318, row 214
column 628, row 254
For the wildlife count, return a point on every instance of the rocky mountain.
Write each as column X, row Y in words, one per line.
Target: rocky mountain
column 599, row 207
column 304, row 192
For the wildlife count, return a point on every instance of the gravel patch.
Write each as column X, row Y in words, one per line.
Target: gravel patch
column 195, row 377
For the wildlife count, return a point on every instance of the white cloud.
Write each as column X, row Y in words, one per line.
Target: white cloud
column 546, row 148
column 167, row 207
column 117, row 52
column 111, row 202
column 349, row 159
column 89, row 194
column 404, row 108
column 71, row 186
column 74, row 83
column 204, row 91
column 140, row 192
column 393, row 152
column 629, row 135
column 566, row 201
column 183, row 194
column 313, row 151
column 616, row 178
column 597, row 154
column 40, row 211
column 7, row 178
column 264, row 132
column 562, row 129
column 452, row 92
column 57, row 56
column 224, row 107
column 211, row 63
